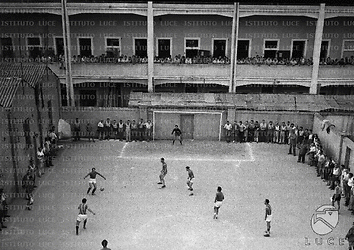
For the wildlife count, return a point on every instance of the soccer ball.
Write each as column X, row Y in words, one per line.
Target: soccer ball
column 102, row 189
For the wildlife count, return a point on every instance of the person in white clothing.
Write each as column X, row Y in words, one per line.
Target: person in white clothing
column 228, row 129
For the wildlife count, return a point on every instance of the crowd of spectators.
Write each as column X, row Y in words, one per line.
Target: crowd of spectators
column 44, row 159
column 179, row 59
column 270, row 132
column 108, row 129
column 308, row 145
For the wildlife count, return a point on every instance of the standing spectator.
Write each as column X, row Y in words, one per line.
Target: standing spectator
column 292, row 140
column 100, row 130
column 3, row 202
column 235, row 131
column 128, row 131
column 301, row 135
column 306, row 136
column 29, row 186
column 134, row 127
column 228, row 129
column 346, row 188
column 32, row 170
column 245, row 132
column 302, row 152
column 53, row 137
column 107, row 129
column 77, row 130
column 120, row 130
column 337, row 195
column 263, row 131
column 270, row 132
column 256, row 131
column 321, row 159
column 47, row 154
column 141, row 129
column 3, row 209
column 115, row 129
column 40, row 160
column 89, row 132
column 311, row 154
column 287, row 131
column 177, row 135
column 350, row 237
column 251, row 128
column 241, row 131
column 310, row 136
column 148, row 127
column 276, row 133
column 105, row 244
column 283, row 129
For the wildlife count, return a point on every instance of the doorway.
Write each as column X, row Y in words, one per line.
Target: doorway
column 85, row 47
column 298, row 49
column 163, row 48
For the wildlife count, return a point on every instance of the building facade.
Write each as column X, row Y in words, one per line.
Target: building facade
column 119, row 48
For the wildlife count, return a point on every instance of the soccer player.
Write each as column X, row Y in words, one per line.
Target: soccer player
column 92, row 181
column 105, row 244
column 178, row 134
column 190, row 180
column 163, row 173
column 218, row 202
column 82, row 215
column 268, row 217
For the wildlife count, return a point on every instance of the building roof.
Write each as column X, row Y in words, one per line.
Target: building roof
column 8, row 89
column 261, row 102
column 32, row 73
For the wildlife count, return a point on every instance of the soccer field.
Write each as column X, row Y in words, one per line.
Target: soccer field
column 133, row 213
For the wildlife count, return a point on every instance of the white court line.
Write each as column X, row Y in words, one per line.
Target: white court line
column 182, row 159
column 123, row 149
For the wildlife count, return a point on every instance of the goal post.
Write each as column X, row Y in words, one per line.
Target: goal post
column 200, row 125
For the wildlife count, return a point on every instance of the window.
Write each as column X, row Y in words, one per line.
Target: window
column 270, row 48
column 298, row 48
column 324, row 49
column 191, row 47
column 59, row 46
column 85, row 46
column 34, row 47
column 164, row 47
column 140, row 47
column 348, row 48
column 113, row 47
column 219, row 47
column 243, row 48
column 6, row 47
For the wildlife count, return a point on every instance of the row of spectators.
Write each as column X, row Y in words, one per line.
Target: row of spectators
column 270, row 132
column 106, row 130
column 337, row 178
column 179, row 59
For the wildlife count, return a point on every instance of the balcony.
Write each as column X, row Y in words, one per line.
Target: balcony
column 208, row 73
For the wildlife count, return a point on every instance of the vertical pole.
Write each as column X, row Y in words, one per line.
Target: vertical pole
column 67, row 54
column 314, row 88
column 150, row 46
column 236, row 46
column 232, row 64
